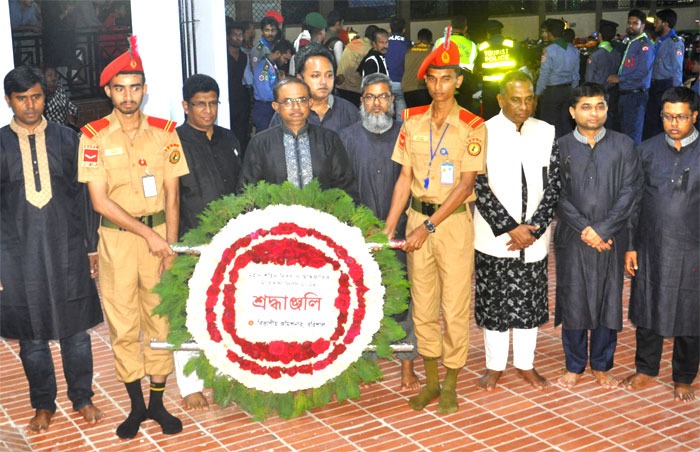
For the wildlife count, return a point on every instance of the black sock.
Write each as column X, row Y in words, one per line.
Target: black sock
column 156, row 411
column 130, row 427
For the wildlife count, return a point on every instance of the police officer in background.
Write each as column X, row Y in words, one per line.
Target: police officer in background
column 603, row 63
column 634, row 76
column 667, row 71
column 497, row 56
column 559, row 75
column 467, row 56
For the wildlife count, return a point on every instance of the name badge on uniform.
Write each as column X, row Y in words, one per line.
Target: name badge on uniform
column 149, row 186
column 447, row 174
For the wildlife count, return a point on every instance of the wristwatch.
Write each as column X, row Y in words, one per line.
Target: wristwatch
column 430, row 227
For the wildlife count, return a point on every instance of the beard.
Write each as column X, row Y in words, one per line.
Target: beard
column 377, row 123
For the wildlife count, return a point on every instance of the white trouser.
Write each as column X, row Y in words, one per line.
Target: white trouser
column 187, row 384
column 496, row 344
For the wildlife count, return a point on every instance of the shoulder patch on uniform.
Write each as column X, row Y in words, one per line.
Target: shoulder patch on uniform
column 414, row 111
column 161, row 123
column 92, row 128
column 470, row 118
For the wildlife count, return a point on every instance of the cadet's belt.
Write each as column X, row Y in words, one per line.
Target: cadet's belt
column 631, row 91
column 562, row 85
column 428, row 209
column 149, row 220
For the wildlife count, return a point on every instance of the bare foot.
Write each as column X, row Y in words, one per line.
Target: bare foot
column 683, row 392
column 40, row 422
column 604, row 379
column 637, row 381
column 536, row 380
column 91, row 414
column 196, row 401
column 568, row 380
column 409, row 380
column 489, row 379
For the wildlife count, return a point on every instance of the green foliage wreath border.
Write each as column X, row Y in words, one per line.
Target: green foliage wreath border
column 174, row 291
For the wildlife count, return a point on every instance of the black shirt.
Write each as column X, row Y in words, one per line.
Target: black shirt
column 214, row 170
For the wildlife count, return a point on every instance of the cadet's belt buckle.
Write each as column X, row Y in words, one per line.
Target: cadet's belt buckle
column 147, row 220
column 428, row 209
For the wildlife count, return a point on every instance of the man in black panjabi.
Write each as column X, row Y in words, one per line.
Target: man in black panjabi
column 295, row 150
column 370, row 143
column 48, row 242
column 601, row 179
column 212, row 156
column 664, row 256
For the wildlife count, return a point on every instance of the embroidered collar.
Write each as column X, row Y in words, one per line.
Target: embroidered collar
column 21, row 131
column 582, row 139
column 288, row 131
column 684, row 141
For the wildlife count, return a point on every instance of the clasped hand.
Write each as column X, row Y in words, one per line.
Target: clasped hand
column 521, row 237
column 592, row 239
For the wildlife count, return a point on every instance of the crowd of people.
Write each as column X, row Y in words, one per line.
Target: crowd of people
column 470, row 192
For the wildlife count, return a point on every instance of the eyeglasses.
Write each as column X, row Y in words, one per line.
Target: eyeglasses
column 680, row 118
column 370, row 98
column 202, row 105
column 290, row 102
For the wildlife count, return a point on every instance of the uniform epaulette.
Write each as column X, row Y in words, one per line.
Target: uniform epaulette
column 676, row 38
column 161, row 123
column 413, row 111
column 93, row 128
column 470, row 118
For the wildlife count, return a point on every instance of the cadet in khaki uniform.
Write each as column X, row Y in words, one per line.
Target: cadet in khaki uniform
column 441, row 148
column 131, row 163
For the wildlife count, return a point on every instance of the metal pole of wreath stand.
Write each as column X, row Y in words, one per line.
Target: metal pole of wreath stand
column 193, row 346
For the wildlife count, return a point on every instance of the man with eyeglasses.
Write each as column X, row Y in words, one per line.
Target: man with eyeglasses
column 601, row 179
column 370, row 143
column 212, row 154
column 664, row 255
column 295, row 150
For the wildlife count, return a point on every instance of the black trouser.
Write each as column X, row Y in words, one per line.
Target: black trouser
column 652, row 117
column 613, row 121
column 686, row 355
column 76, row 353
column 240, row 125
column 554, row 108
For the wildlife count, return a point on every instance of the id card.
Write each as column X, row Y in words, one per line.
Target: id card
column 447, row 174
column 149, row 186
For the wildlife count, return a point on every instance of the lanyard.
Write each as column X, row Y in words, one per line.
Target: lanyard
column 426, row 181
column 624, row 57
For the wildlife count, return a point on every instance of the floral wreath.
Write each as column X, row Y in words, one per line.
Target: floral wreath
column 292, row 374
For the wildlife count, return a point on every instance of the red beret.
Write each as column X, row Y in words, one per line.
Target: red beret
column 129, row 61
column 275, row 15
column 443, row 56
